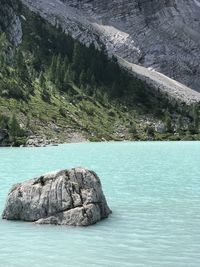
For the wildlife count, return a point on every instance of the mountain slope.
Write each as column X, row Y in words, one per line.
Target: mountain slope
column 161, row 82
column 163, row 35
column 53, row 87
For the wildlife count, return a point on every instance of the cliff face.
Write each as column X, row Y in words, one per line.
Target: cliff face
column 10, row 22
column 163, row 35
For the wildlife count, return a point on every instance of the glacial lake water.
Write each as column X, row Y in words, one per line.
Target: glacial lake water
column 153, row 189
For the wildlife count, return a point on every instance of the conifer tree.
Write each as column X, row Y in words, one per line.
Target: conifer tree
column 42, row 80
column 14, row 127
column 66, row 77
column 195, row 115
column 52, row 69
column 83, row 78
column 179, row 123
column 60, row 70
column 78, row 61
column 21, row 67
column 168, row 122
column 3, row 47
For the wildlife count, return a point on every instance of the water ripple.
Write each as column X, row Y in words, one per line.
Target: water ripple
column 152, row 188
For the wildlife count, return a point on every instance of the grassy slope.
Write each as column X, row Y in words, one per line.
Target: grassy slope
column 95, row 118
column 82, row 114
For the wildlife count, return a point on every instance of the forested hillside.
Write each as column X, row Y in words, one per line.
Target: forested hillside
column 53, row 87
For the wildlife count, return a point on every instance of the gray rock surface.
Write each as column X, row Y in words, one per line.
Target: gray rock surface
column 158, row 34
column 162, row 83
column 10, row 23
column 66, row 197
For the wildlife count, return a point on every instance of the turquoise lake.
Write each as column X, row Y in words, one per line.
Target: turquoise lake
column 153, row 189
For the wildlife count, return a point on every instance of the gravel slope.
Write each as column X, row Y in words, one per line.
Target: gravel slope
column 162, row 82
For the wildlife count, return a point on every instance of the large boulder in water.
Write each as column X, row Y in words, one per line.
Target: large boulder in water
column 66, row 197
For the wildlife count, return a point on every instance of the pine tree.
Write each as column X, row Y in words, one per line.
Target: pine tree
column 14, row 128
column 60, row 71
column 42, row 80
column 78, row 62
column 195, row 116
column 3, row 48
column 21, row 68
column 66, row 62
column 168, row 122
column 83, row 78
column 66, row 78
column 179, row 123
column 52, row 69
column 3, row 122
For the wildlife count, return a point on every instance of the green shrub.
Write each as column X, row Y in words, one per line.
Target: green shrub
column 150, row 131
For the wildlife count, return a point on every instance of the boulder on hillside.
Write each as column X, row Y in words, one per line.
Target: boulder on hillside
column 66, row 197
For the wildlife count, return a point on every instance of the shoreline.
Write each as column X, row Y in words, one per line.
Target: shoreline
column 106, row 141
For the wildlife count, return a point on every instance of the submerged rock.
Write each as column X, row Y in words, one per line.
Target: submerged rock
column 66, row 197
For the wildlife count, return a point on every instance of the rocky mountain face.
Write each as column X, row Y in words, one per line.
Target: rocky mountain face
column 157, row 34
column 10, row 22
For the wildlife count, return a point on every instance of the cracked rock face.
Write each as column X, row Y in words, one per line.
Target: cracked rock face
column 159, row 34
column 67, row 197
